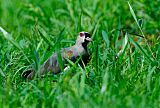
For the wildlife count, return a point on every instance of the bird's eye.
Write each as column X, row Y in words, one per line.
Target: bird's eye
column 81, row 34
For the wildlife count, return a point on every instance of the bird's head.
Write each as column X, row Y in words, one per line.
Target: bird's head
column 83, row 38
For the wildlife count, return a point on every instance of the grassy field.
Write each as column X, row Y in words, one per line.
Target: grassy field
column 124, row 70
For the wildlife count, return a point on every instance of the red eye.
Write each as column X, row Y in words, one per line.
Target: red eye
column 81, row 34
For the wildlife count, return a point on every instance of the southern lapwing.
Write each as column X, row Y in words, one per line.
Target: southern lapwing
column 72, row 53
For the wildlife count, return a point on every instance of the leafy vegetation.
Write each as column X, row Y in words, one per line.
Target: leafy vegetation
column 125, row 61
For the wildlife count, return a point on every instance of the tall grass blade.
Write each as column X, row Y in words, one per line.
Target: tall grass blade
column 105, row 38
column 142, row 50
column 9, row 38
column 45, row 37
column 139, row 26
column 82, row 82
column 2, row 73
column 58, row 48
column 135, row 18
column 60, row 60
column 36, row 60
column 124, row 45
column 149, row 77
column 105, row 81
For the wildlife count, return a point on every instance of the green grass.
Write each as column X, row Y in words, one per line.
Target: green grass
column 115, row 77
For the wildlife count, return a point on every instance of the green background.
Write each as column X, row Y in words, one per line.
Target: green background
column 131, row 80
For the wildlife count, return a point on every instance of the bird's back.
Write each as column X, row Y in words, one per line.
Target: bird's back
column 71, row 53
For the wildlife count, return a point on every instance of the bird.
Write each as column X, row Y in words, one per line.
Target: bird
column 76, row 52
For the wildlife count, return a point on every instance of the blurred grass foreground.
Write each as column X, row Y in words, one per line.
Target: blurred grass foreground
column 124, row 70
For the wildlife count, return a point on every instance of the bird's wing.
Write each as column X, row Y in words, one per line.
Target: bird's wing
column 50, row 65
column 73, row 52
